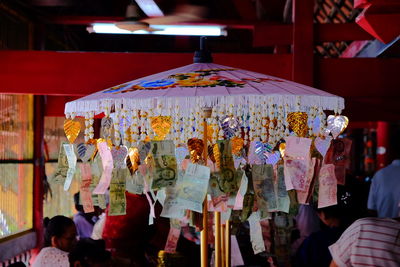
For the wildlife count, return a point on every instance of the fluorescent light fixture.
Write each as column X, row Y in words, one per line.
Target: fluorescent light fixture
column 195, row 30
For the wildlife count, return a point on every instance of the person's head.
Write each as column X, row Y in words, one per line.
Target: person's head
column 337, row 215
column 60, row 233
column 89, row 253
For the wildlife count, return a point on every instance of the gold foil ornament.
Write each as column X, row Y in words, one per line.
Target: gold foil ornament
column 134, row 158
column 72, row 130
column 217, row 156
column 210, row 132
column 161, row 126
column 237, row 145
column 282, row 147
column 108, row 141
column 336, row 124
column 196, row 147
column 298, row 123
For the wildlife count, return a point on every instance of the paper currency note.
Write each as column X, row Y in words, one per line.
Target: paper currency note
column 218, row 197
column 107, row 163
column 117, row 192
column 327, row 195
column 62, row 166
column 97, row 169
column 256, row 236
column 172, row 240
column 85, row 193
column 135, row 183
column 248, row 203
column 302, row 195
column 165, row 167
column 282, row 195
column 241, row 192
column 192, row 188
column 227, row 178
column 71, row 158
column 263, row 176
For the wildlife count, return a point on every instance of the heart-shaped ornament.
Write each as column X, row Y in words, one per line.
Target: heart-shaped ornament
column 144, row 149
column 336, row 124
column 72, row 129
column 316, row 125
column 161, row 126
column 134, row 158
column 322, row 145
column 106, row 127
column 237, row 145
column 196, row 147
column 119, row 155
column 261, row 149
column 229, row 125
column 298, row 123
column 180, row 154
column 273, row 158
column 85, row 151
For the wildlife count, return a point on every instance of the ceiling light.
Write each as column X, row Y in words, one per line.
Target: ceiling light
column 192, row 30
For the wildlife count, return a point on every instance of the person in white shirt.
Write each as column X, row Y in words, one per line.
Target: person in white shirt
column 384, row 194
column 59, row 238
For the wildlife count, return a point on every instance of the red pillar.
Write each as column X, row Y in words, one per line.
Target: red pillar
column 303, row 41
column 382, row 137
column 38, row 171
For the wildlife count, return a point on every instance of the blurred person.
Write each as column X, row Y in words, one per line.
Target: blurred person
column 314, row 249
column 368, row 242
column 384, row 193
column 89, row 253
column 130, row 238
column 84, row 222
column 59, row 239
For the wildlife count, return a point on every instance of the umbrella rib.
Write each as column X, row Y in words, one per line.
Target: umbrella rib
column 232, row 73
column 244, row 72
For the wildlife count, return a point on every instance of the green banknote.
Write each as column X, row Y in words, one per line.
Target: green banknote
column 165, row 167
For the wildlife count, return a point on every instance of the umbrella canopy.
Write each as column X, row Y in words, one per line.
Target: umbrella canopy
column 257, row 102
column 207, row 85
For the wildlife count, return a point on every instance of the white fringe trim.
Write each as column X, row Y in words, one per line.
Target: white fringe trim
column 187, row 105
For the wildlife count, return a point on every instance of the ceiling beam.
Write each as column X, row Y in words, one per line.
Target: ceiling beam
column 264, row 33
column 369, row 85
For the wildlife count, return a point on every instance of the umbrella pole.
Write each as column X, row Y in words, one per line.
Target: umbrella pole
column 223, row 247
column 217, row 234
column 228, row 243
column 204, row 232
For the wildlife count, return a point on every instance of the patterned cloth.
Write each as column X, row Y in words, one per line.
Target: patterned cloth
column 384, row 194
column 369, row 242
column 51, row 257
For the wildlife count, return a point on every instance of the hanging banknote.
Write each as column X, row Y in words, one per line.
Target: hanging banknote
column 282, row 195
column 62, row 166
column 192, row 188
column 135, row 183
column 117, row 192
column 165, row 168
column 227, row 174
column 97, row 169
column 263, row 188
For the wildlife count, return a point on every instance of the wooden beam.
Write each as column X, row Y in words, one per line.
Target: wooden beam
column 82, row 73
column 303, row 41
column 264, row 34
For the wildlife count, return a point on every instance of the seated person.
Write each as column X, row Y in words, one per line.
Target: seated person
column 89, row 253
column 314, row 250
column 84, row 221
column 59, row 239
column 368, row 242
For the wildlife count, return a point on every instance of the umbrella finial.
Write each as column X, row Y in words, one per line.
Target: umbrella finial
column 203, row 55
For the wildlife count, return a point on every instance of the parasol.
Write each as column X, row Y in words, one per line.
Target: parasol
column 267, row 108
